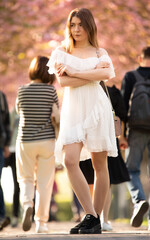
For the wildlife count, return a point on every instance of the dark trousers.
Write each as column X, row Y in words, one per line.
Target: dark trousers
column 2, row 206
column 11, row 161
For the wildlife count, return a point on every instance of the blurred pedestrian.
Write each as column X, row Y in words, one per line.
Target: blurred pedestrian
column 4, row 152
column 136, row 94
column 11, row 162
column 35, row 144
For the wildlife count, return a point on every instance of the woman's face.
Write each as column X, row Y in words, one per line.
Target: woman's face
column 77, row 31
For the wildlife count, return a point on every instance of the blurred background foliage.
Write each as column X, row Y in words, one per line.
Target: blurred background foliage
column 35, row 27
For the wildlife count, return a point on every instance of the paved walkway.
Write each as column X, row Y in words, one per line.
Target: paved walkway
column 59, row 231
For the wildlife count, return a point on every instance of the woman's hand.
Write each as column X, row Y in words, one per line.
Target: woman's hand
column 62, row 70
column 59, row 69
column 123, row 144
column 103, row 65
column 6, row 152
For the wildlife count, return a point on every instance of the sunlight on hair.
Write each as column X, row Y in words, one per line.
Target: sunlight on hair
column 32, row 65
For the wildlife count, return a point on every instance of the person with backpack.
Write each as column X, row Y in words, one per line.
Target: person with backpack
column 136, row 94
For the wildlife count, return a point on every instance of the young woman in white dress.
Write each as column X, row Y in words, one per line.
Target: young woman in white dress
column 86, row 114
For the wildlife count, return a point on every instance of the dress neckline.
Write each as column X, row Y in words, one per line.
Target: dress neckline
column 79, row 57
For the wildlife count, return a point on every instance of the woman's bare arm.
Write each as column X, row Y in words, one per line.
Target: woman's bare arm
column 67, row 75
column 97, row 74
column 66, row 81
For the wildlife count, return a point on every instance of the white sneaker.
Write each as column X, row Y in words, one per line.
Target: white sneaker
column 106, row 226
column 14, row 222
column 41, row 228
column 139, row 210
column 27, row 218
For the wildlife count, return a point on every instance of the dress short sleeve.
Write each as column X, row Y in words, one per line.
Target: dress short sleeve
column 51, row 62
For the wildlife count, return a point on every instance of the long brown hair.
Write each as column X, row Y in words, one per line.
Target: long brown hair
column 88, row 24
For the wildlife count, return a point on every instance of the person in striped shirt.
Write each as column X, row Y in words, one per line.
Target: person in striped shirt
column 35, row 144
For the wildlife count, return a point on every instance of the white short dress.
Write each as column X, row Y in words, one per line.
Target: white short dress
column 86, row 114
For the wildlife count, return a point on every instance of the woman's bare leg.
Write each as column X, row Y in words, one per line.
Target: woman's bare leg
column 106, row 207
column 76, row 177
column 101, row 184
column 91, row 189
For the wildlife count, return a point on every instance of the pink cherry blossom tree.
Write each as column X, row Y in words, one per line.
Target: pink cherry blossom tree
column 36, row 27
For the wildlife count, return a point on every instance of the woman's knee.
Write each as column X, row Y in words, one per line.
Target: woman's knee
column 99, row 161
column 70, row 161
column 72, row 155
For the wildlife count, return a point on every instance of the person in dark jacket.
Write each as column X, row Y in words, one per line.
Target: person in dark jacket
column 138, row 140
column 4, row 152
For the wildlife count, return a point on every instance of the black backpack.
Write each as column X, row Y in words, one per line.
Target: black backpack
column 139, row 104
